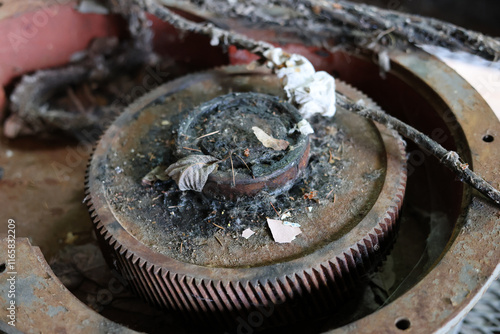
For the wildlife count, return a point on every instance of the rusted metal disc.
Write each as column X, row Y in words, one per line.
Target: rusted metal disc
column 184, row 251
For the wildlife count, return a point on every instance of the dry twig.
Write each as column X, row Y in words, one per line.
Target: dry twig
column 274, row 209
column 448, row 158
column 351, row 25
column 232, row 168
column 208, row 134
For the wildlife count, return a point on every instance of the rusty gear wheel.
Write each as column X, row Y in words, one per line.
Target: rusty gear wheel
column 180, row 257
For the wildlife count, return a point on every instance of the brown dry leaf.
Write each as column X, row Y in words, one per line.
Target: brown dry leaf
column 268, row 141
column 191, row 172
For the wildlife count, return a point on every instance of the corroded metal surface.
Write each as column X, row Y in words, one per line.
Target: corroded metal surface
column 322, row 273
column 30, row 170
column 43, row 304
column 472, row 261
column 466, row 266
column 259, row 108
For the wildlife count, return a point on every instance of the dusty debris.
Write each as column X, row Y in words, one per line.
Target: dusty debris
column 311, row 195
column 247, row 233
column 283, row 233
column 332, row 158
column 268, row 141
column 189, row 213
column 331, row 130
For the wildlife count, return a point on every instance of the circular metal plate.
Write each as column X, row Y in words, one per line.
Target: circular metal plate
column 342, row 237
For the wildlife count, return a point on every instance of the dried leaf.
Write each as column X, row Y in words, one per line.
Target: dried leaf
column 191, row 172
column 283, row 232
column 158, row 173
column 268, row 141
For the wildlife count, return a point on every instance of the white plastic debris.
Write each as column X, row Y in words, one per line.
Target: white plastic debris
column 304, row 127
column 286, row 215
column 312, row 92
column 283, row 233
column 247, row 233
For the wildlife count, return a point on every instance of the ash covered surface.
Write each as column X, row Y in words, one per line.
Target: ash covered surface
column 340, row 185
column 230, row 119
column 192, row 228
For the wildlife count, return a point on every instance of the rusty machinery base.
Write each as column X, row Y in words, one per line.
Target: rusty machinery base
column 179, row 257
column 434, row 288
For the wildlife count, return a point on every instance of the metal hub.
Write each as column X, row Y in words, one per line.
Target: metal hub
column 184, row 251
column 231, row 118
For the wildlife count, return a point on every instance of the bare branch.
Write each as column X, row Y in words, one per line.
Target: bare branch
column 448, row 158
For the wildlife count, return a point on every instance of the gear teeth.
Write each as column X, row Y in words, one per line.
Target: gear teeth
column 288, row 296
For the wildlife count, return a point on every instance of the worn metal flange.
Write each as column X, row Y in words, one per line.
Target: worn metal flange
column 42, row 302
column 218, row 276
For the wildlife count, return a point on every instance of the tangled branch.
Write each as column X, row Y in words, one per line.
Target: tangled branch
column 449, row 158
column 349, row 25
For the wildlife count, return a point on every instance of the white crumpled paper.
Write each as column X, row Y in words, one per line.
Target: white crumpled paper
column 312, row 92
column 283, row 232
column 247, row 233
